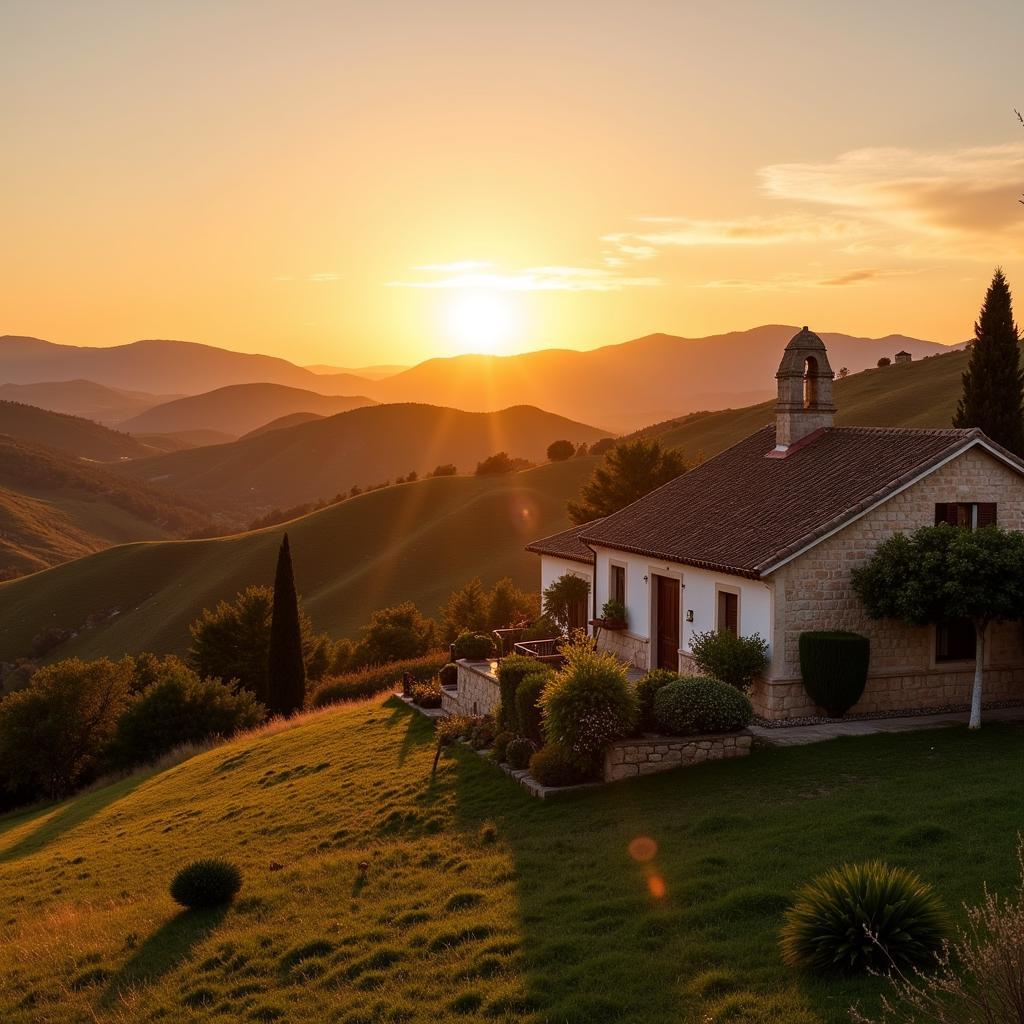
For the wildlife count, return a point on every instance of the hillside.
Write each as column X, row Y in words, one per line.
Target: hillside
column 366, row 446
column 83, row 398
column 70, row 434
column 284, row 422
column 54, row 507
column 919, row 394
column 549, row 920
column 238, row 409
column 177, row 367
column 413, row 542
column 633, row 384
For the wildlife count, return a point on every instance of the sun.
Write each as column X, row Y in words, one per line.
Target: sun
column 481, row 321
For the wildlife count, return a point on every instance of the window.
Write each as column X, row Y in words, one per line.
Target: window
column 617, row 584
column 578, row 616
column 728, row 612
column 969, row 514
column 955, row 640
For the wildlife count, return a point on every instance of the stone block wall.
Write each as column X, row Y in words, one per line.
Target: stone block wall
column 476, row 691
column 628, row 647
column 649, row 755
column 815, row 592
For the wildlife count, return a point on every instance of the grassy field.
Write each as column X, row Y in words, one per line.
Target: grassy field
column 412, row 542
column 552, row 921
column 920, row 394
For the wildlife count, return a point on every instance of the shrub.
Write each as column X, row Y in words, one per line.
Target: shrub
column 563, row 597
column 454, row 727
column 474, row 647
column 559, row 451
column 427, row 695
column 589, row 703
column 179, row 707
column 368, row 682
column 553, row 765
column 528, row 716
column 395, row 634
column 449, row 674
column 736, row 660
column 978, row 975
column 861, row 917
column 499, row 463
column 501, row 742
column 445, row 469
column 55, row 733
column 697, row 704
column 511, row 672
column 834, row 669
column 481, row 735
column 615, row 611
column 646, row 688
column 519, row 751
column 204, row 884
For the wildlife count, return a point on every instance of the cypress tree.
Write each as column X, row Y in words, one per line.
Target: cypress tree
column 286, row 670
column 993, row 392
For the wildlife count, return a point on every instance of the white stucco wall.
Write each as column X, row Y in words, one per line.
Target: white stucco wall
column 700, row 590
column 552, row 569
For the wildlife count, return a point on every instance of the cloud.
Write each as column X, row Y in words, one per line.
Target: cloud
column 554, row 278
column 325, row 277
column 960, row 202
column 794, row 282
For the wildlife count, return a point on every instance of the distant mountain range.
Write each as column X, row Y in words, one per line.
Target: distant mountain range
column 368, row 372
column 83, row 398
column 621, row 387
column 320, row 458
column 238, row 409
column 70, row 434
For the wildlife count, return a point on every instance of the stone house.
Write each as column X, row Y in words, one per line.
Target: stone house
column 763, row 538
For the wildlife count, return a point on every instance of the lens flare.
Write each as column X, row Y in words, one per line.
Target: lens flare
column 643, row 849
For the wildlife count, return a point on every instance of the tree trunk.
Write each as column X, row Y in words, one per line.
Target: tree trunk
column 980, row 629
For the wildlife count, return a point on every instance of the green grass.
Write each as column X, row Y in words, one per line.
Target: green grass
column 549, row 921
column 919, row 394
column 411, row 542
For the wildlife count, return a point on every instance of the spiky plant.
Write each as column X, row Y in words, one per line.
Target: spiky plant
column 860, row 917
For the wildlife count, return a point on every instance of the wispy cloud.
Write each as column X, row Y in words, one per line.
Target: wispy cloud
column 325, row 277
column 796, row 282
column 554, row 278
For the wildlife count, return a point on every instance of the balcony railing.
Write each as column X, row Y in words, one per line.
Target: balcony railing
column 547, row 651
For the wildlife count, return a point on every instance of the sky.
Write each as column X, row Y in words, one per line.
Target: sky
column 383, row 182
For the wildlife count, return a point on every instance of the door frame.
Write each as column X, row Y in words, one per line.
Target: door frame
column 652, row 594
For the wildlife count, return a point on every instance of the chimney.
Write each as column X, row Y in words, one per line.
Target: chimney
column 805, row 391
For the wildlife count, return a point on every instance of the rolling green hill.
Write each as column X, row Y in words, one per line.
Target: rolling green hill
column 70, row 434
column 409, row 542
column 918, row 394
column 315, row 460
column 54, row 507
column 397, row 895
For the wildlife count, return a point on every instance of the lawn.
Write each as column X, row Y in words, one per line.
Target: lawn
column 552, row 920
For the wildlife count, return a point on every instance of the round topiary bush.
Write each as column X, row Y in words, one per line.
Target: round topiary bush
column 528, row 714
column 206, row 883
column 646, row 688
column 834, row 668
column 589, row 703
column 474, row 647
column 553, row 765
column 519, row 751
column 697, row 704
column 860, row 917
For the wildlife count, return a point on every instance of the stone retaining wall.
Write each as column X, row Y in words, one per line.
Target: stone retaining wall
column 649, row 755
column 476, row 691
column 628, row 647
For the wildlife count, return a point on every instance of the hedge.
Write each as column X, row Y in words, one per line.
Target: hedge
column 834, row 669
column 368, row 682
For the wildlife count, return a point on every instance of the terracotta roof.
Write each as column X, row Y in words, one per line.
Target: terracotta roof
column 742, row 513
column 566, row 545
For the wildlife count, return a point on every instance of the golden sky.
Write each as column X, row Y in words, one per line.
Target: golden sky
column 356, row 183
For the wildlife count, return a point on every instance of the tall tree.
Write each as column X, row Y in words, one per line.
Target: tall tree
column 286, row 670
column 630, row 470
column 993, row 385
column 943, row 573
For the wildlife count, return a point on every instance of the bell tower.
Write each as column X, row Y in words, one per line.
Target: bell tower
column 805, row 390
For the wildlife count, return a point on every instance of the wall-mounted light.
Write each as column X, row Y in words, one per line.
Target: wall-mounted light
column 645, row 579
column 689, row 615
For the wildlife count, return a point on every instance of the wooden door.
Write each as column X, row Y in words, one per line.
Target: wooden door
column 668, row 623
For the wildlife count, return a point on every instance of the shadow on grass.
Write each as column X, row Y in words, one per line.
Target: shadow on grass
column 164, row 950
column 419, row 730
column 54, row 822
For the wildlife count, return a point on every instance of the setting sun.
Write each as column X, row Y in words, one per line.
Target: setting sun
column 481, row 321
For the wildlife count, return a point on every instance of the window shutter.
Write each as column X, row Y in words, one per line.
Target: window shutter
column 986, row 513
